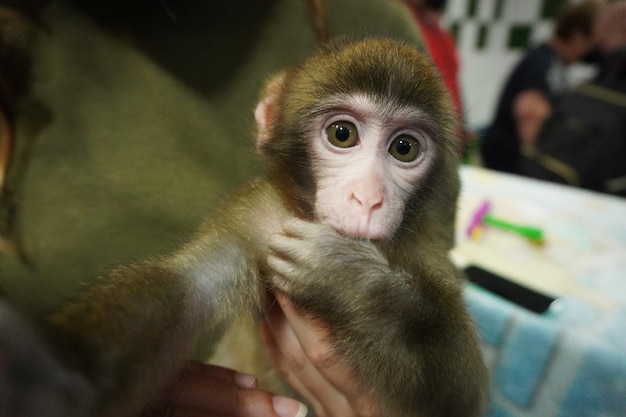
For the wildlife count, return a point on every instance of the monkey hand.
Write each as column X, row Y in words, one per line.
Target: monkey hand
column 324, row 273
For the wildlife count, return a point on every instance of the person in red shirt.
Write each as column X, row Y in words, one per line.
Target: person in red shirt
column 439, row 42
column 442, row 50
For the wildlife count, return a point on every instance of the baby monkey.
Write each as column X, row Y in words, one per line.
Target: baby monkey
column 352, row 221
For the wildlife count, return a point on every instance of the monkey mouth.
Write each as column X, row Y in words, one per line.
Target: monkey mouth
column 366, row 228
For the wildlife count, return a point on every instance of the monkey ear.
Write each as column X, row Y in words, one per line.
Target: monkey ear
column 265, row 112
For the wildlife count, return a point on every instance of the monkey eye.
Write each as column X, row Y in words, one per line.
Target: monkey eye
column 342, row 134
column 405, row 148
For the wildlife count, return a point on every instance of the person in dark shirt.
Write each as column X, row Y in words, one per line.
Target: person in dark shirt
column 534, row 84
column 583, row 141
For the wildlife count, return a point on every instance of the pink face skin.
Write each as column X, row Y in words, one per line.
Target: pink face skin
column 362, row 186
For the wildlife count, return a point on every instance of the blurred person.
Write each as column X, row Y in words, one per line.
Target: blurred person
column 583, row 141
column 534, row 85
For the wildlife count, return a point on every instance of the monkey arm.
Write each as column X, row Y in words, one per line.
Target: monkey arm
column 136, row 326
column 132, row 330
column 128, row 346
column 399, row 329
column 114, row 325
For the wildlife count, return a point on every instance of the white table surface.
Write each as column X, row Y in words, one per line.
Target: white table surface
column 571, row 360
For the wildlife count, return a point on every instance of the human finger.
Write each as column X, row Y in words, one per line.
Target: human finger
column 216, row 391
column 286, row 347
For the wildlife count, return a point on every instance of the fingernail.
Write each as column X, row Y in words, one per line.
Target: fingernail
column 287, row 407
column 246, row 381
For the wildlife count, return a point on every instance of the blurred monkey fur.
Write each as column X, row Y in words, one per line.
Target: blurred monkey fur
column 353, row 221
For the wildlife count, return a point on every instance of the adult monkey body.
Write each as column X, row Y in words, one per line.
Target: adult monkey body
column 353, row 222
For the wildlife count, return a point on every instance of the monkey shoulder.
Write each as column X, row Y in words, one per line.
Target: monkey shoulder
column 252, row 213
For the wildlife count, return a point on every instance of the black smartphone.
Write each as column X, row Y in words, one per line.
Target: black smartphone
column 512, row 291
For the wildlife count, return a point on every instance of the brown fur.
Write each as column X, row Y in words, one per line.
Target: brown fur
column 394, row 307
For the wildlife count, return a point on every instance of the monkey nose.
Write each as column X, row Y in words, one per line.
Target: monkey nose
column 367, row 198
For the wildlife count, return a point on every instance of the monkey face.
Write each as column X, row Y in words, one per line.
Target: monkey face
column 361, row 137
column 370, row 157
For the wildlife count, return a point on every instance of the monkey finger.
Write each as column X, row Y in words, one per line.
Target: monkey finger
column 307, row 230
column 296, row 227
column 282, row 245
column 300, row 251
column 283, row 271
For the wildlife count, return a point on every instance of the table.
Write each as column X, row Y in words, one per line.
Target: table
column 569, row 361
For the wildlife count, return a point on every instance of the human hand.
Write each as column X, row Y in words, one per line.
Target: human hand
column 300, row 349
column 530, row 109
column 203, row 390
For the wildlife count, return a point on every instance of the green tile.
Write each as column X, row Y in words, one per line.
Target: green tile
column 472, row 8
column 455, row 31
column 550, row 8
column 483, row 35
column 498, row 7
column 519, row 36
